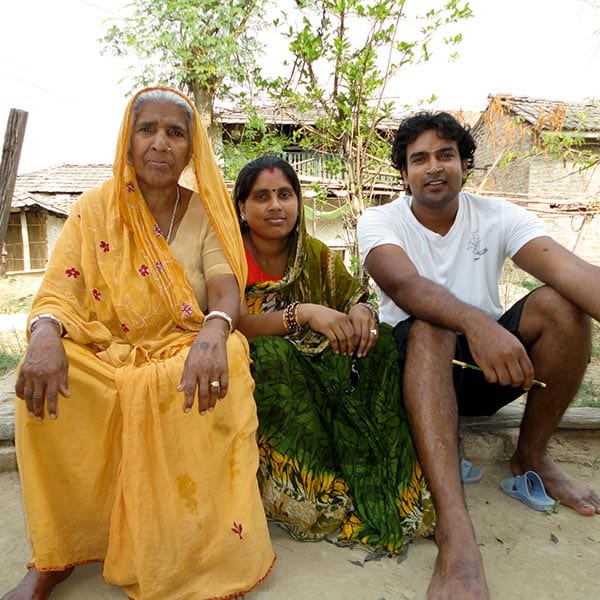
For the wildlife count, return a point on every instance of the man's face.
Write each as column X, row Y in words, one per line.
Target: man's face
column 434, row 170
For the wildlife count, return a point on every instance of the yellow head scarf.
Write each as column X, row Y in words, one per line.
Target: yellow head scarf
column 201, row 175
column 112, row 276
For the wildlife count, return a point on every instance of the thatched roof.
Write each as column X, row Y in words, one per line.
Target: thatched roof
column 581, row 118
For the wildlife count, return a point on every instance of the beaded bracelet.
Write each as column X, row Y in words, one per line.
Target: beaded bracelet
column 374, row 313
column 296, row 308
column 290, row 317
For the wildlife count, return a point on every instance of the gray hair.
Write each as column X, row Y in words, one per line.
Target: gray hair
column 163, row 96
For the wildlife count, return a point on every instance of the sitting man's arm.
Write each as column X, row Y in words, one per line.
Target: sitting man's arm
column 571, row 276
column 505, row 361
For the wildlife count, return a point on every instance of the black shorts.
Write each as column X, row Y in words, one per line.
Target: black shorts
column 475, row 396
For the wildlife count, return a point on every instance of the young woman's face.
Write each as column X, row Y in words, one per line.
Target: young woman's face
column 160, row 145
column 271, row 209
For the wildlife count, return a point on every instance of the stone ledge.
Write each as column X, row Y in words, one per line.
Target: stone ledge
column 7, row 421
column 494, row 438
column 8, row 459
column 508, row 417
column 483, row 438
column 511, row 415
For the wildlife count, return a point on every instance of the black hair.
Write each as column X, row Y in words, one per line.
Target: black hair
column 447, row 128
column 250, row 172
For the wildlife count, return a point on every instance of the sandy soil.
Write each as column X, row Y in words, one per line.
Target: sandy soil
column 527, row 554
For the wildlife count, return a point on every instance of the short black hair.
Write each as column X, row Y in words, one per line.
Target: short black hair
column 447, row 127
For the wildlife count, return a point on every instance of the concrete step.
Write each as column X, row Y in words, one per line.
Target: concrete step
column 483, row 439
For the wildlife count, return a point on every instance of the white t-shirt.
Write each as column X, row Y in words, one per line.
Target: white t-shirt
column 468, row 260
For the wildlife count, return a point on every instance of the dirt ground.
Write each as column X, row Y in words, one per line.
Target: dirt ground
column 528, row 554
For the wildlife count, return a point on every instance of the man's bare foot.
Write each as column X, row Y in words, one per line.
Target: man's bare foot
column 559, row 485
column 458, row 570
column 37, row 585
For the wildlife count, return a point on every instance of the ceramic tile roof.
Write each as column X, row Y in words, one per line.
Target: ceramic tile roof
column 57, row 188
column 60, row 204
column 286, row 116
column 69, row 179
column 572, row 116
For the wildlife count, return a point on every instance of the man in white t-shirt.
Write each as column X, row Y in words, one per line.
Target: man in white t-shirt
column 436, row 257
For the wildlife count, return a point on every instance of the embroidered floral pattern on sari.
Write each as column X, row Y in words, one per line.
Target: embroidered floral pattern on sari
column 237, row 528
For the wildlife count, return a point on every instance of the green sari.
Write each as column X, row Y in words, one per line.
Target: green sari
column 336, row 453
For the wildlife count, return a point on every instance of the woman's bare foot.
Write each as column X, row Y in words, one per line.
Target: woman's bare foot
column 560, row 486
column 458, row 570
column 37, row 585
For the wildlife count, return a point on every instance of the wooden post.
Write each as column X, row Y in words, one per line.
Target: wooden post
column 11, row 153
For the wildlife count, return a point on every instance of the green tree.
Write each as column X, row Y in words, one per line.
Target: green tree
column 255, row 138
column 344, row 54
column 203, row 47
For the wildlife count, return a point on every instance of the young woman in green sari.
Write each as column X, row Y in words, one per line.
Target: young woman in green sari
column 335, row 447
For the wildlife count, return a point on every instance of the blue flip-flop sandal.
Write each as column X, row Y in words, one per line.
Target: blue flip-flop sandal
column 529, row 489
column 469, row 473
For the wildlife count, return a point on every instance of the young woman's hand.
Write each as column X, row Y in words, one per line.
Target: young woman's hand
column 334, row 325
column 366, row 328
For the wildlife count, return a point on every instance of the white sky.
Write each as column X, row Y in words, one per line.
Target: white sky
column 51, row 67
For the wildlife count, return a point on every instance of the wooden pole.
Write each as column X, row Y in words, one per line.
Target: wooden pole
column 489, row 172
column 11, row 153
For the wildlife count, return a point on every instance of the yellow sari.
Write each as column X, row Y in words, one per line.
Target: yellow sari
column 169, row 501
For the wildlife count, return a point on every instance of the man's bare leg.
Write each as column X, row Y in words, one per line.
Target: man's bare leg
column 37, row 585
column 431, row 406
column 560, row 337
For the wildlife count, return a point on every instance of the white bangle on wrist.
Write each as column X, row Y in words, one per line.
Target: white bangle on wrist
column 50, row 317
column 219, row 314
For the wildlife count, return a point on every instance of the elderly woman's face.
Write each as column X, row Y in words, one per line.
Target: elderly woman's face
column 160, row 145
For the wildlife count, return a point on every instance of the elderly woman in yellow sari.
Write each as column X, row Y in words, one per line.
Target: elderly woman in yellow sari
column 133, row 325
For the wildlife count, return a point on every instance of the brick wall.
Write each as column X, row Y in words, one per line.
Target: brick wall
column 541, row 176
column 554, row 189
column 579, row 237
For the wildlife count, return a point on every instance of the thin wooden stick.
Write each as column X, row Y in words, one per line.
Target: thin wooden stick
column 465, row 365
